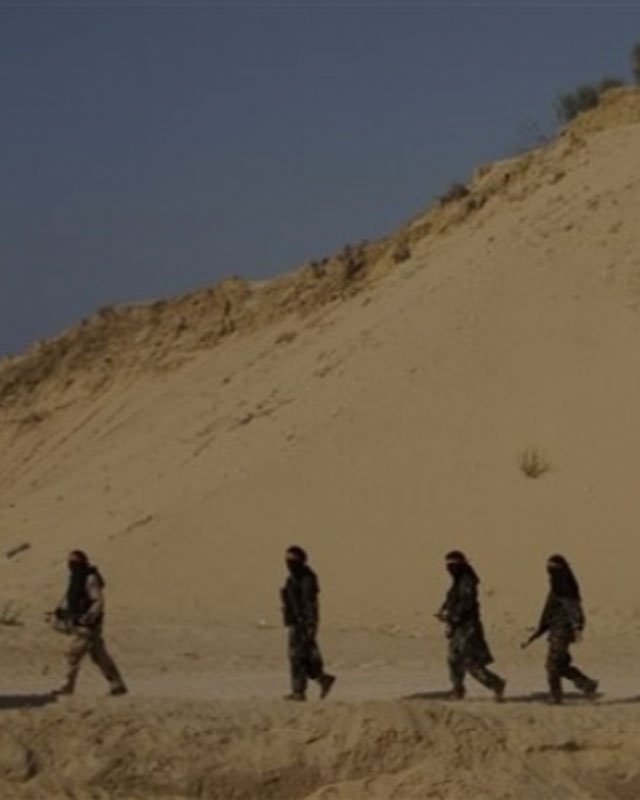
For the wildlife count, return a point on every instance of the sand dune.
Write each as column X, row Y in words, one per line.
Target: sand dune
column 375, row 408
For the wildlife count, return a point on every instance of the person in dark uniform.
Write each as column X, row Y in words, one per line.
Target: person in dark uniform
column 81, row 616
column 468, row 651
column 300, row 614
column 563, row 620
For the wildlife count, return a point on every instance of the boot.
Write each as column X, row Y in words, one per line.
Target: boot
column 297, row 697
column 457, row 693
column 555, row 689
column 498, row 692
column 326, row 682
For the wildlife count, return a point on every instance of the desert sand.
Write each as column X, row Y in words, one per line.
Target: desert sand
column 376, row 408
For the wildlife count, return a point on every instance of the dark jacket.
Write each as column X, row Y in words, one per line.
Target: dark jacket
column 461, row 602
column 300, row 599
column 461, row 613
column 83, row 603
column 561, row 614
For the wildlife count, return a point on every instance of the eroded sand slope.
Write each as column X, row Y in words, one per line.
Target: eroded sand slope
column 374, row 408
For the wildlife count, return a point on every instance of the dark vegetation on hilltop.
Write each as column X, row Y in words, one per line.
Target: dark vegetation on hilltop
column 157, row 337
column 587, row 96
column 567, row 106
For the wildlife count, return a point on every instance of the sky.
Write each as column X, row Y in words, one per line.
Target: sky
column 150, row 148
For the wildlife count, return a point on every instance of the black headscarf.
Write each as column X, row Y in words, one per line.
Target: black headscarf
column 563, row 581
column 77, row 589
column 79, row 571
column 458, row 566
column 296, row 561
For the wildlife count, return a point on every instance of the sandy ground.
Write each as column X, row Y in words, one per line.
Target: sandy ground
column 378, row 411
column 210, row 722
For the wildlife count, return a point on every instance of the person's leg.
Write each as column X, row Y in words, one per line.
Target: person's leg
column 76, row 651
column 297, row 665
column 488, row 679
column 557, row 663
column 315, row 667
column 107, row 666
column 581, row 681
column 457, row 669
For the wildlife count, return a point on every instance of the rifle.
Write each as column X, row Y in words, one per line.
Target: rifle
column 60, row 620
column 535, row 635
column 443, row 617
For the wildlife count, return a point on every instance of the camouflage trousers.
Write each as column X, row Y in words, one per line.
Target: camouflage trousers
column 305, row 659
column 559, row 665
column 89, row 641
column 468, row 653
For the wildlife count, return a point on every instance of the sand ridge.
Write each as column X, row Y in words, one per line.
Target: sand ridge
column 376, row 410
column 401, row 749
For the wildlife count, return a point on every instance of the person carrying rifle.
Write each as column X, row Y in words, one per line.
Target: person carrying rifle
column 81, row 615
column 563, row 620
column 467, row 647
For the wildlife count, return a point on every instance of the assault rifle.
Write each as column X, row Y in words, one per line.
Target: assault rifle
column 535, row 635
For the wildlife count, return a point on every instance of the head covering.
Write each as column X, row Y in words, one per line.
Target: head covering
column 79, row 555
column 296, row 553
column 296, row 561
column 563, row 581
column 458, row 566
column 79, row 569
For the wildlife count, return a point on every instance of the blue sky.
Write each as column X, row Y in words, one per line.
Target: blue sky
column 149, row 148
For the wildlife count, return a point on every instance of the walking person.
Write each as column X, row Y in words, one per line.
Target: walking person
column 563, row 620
column 300, row 614
column 81, row 613
column 468, row 651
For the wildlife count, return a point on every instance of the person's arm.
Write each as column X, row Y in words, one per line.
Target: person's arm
column 545, row 621
column 59, row 618
column 287, row 613
column 546, row 616
column 463, row 603
column 575, row 615
column 62, row 609
column 443, row 612
column 310, row 611
column 96, row 596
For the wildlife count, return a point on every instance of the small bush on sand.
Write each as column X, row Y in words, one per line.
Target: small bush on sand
column 457, row 191
column 401, row 252
column 353, row 259
column 10, row 616
column 584, row 98
column 532, row 464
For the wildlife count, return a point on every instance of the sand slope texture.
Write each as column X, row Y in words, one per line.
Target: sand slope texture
column 378, row 407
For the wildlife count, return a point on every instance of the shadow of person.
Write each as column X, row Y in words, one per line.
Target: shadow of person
column 436, row 695
column 622, row 701
column 545, row 698
column 9, row 702
column 532, row 697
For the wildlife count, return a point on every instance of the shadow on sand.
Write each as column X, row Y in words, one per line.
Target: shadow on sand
column 571, row 698
column 10, row 702
column 442, row 695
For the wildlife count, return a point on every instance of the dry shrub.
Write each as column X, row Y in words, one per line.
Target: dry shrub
column 10, row 616
column 457, row 191
column 401, row 252
column 533, row 464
